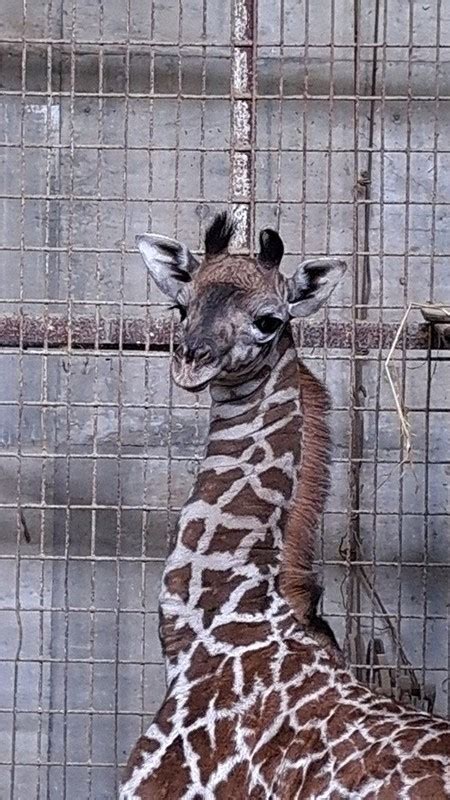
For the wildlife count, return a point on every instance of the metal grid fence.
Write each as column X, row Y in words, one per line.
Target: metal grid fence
column 327, row 120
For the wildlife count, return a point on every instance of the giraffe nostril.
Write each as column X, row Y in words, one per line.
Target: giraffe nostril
column 196, row 351
column 203, row 354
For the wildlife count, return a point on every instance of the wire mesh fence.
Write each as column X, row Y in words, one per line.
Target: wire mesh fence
column 327, row 121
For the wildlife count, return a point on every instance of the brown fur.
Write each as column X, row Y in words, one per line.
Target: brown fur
column 258, row 709
column 239, row 271
column 297, row 580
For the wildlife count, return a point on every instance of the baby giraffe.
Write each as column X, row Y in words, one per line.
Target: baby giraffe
column 259, row 704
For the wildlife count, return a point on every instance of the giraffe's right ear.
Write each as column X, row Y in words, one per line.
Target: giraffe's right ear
column 171, row 264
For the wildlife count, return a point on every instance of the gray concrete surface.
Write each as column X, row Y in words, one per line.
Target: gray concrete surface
column 81, row 614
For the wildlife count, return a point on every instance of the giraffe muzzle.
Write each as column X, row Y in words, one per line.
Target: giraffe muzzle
column 194, row 366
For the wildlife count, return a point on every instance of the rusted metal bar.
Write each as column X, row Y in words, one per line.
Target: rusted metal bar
column 243, row 122
column 54, row 331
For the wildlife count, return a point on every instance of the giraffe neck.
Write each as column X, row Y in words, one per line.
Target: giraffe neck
column 226, row 561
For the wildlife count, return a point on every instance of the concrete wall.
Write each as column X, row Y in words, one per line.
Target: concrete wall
column 101, row 436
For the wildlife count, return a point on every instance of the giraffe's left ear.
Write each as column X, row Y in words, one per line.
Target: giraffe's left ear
column 170, row 263
column 312, row 283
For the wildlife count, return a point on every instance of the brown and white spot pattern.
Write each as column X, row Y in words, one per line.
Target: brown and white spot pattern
column 259, row 707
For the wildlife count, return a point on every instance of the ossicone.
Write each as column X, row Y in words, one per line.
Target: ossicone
column 271, row 249
column 218, row 234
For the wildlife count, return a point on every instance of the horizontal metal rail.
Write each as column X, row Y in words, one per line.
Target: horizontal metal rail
column 89, row 331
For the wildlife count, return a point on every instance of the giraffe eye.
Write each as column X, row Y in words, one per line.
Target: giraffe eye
column 181, row 309
column 268, row 324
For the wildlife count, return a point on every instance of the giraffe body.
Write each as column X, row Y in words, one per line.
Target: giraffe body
column 259, row 703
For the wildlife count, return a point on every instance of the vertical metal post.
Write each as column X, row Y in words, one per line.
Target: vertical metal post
column 243, row 113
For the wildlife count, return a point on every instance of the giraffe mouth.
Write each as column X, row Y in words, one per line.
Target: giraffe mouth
column 192, row 377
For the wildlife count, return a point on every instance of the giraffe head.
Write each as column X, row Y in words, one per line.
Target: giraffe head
column 233, row 307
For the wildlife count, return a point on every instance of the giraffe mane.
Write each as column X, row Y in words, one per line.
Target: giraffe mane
column 297, row 580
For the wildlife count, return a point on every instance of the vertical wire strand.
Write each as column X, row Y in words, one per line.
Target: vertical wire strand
column 365, row 296
column 429, row 367
column 379, row 356
column 120, row 386
column 66, row 445
column 351, row 546
column 148, row 390
column 93, row 619
column 279, row 155
column 302, row 225
column 405, row 273
column 329, row 205
column 53, row 276
column 20, row 411
column 44, row 416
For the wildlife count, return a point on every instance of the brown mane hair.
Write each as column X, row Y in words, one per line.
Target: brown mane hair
column 297, row 580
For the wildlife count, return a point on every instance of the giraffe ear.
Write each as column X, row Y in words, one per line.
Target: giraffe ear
column 271, row 249
column 171, row 264
column 312, row 283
